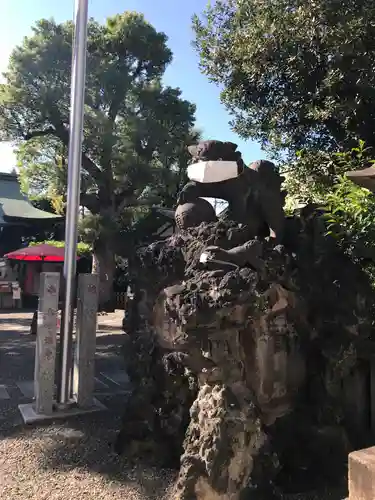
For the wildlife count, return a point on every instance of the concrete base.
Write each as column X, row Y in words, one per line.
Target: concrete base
column 30, row 416
column 362, row 474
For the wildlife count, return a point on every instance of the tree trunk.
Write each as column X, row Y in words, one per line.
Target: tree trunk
column 103, row 264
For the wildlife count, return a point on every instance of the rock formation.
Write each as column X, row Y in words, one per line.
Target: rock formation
column 241, row 339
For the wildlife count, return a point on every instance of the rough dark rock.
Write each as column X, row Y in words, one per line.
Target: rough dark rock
column 227, row 363
column 243, row 371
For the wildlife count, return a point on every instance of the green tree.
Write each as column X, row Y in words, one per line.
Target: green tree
column 42, row 172
column 295, row 74
column 135, row 129
column 350, row 216
column 313, row 175
column 348, row 210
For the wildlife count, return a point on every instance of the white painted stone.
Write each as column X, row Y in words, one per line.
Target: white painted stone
column 212, row 171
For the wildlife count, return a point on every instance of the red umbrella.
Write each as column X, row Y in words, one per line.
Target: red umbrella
column 43, row 252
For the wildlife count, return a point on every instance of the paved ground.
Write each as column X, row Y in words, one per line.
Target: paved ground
column 72, row 458
column 17, row 350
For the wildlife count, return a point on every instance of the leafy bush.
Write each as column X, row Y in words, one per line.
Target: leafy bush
column 349, row 210
column 83, row 249
column 312, row 175
column 350, row 217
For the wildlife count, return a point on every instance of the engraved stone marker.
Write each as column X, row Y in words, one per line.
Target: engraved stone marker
column 45, row 355
column 84, row 356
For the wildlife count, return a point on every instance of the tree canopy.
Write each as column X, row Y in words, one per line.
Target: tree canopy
column 133, row 125
column 295, row 73
column 135, row 129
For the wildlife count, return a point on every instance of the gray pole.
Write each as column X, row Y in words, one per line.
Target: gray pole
column 77, row 99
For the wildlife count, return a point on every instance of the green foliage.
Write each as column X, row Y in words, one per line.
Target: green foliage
column 350, row 218
column 42, row 171
column 135, row 129
column 83, row 249
column 349, row 210
column 295, row 74
column 311, row 175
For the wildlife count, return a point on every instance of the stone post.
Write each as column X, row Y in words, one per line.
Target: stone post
column 362, row 474
column 84, row 356
column 45, row 357
column 372, row 395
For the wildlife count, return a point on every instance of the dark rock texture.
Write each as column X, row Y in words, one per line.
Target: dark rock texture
column 241, row 369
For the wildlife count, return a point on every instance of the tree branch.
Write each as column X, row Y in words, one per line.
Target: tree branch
column 39, row 133
column 90, row 201
column 91, row 168
column 114, row 107
column 63, row 134
column 132, row 202
column 87, row 163
column 138, row 69
column 117, row 100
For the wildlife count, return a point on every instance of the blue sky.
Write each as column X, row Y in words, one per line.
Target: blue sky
column 171, row 16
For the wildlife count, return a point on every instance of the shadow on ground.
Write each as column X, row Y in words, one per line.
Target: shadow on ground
column 80, row 446
column 85, row 444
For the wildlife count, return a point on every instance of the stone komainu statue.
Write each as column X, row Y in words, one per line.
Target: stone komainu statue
column 254, row 197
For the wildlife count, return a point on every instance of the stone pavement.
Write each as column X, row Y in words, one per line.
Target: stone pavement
column 53, row 461
column 72, row 457
column 17, row 352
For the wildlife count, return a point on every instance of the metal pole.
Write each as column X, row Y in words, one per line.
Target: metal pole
column 77, row 99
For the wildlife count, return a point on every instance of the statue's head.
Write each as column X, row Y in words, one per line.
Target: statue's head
column 214, row 151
